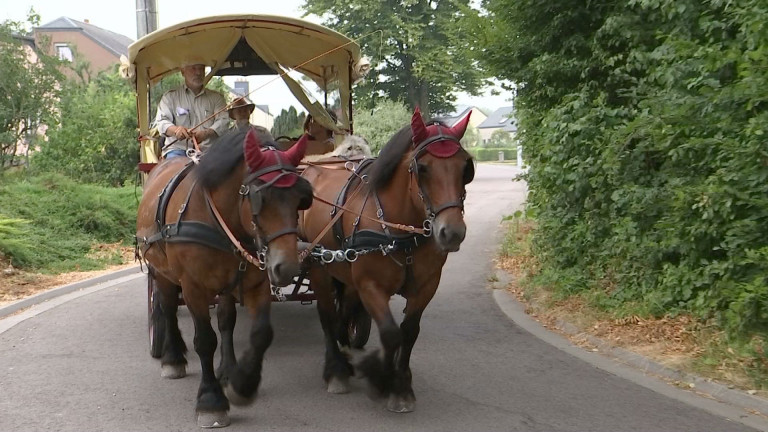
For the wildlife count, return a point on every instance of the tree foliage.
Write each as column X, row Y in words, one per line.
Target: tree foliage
column 28, row 91
column 289, row 123
column 644, row 123
column 380, row 124
column 422, row 53
column 96, row 140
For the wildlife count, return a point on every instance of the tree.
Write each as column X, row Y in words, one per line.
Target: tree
column 500, row 139
column 422, row 53
column 378, row 125
column 289, row 123
column 28, row 90
column 96, row 140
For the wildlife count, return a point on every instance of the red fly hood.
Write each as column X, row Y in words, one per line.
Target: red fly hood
column 272, row 161
column 442, row 148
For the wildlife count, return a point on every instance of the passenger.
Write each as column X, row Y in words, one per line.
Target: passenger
column 321, row 139
column 240, row 111
column 188, row 106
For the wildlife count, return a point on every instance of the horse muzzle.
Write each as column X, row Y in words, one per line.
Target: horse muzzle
column 282, row 268
column 449, row 233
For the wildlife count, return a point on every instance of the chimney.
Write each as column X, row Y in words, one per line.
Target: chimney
column 146, row 17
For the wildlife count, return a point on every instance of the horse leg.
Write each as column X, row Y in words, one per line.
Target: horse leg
column 379, row 370
column 402, row 398
column 212, row 406
column 245, row 377
column 174, row 364
column 337, row 369
column 226, row 314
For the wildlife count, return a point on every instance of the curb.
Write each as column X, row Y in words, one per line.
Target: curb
column 62, row 290
column 705, row 393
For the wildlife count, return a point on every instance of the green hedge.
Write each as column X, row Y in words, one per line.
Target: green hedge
column 492, row 154
column 645, row 128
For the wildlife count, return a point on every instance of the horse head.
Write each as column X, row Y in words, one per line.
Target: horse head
column 442, row 169
column 276, row 194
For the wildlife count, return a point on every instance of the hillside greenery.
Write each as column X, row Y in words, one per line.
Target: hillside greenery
column 51, row 224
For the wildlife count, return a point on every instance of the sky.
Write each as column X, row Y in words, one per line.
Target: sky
column 119, row 16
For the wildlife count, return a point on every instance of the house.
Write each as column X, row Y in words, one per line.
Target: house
column 461, row 110
column 475, row 120
column 501, row 119
column 101, row 48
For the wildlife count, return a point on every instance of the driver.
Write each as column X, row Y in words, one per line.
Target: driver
column 188, row 106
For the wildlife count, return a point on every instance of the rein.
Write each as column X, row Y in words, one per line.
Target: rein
column 259, row 261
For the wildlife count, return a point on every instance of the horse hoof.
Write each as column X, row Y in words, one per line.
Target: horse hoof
column 173, row 371
column 209, row 420
column 235, row 398
column 338, row 385
column 400, row 405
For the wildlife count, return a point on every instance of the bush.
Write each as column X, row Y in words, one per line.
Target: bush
column 50, row 223
column 492, row 154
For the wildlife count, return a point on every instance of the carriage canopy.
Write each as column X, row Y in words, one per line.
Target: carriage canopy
column 250, row 45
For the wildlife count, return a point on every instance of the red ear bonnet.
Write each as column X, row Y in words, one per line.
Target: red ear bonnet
column 296, row 153
column 442, row 148
column 418, row 127
column 252, row 150
column 459, row 128
column 258, row 157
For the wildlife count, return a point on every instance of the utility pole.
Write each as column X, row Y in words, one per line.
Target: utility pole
column 146, row 17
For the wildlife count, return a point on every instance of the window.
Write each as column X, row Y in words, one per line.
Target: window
column 64, row 52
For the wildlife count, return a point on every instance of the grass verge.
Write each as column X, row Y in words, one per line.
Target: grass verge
column 678, row 341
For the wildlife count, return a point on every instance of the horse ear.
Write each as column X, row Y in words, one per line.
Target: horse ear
column 252, row 150
column 418, row 127
column 296, row 152
column 459, row 128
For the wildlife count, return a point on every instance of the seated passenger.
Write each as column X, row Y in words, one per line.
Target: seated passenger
column 240, row 111
column 321, row 140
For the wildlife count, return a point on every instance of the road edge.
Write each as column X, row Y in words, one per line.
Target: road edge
column 735, row 405
column 41, row 297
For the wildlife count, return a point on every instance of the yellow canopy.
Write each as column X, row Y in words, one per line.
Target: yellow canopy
column 227, row 43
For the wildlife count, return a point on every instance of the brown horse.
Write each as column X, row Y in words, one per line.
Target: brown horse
column 402, row 215
column 257, row 193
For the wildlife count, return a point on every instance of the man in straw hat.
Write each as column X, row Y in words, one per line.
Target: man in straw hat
column 191, row 106
column 240, row 111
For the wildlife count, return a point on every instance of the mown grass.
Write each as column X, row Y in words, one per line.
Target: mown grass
column 741, row 363
column 50, row 224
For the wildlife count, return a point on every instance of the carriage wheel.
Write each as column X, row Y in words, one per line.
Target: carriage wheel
column 155, row 319
column 359, row 327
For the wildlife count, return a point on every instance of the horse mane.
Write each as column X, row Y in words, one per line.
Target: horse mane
column 389, row 157
column 391, row 154
column 223, row 156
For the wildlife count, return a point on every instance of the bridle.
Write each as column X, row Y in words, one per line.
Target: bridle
column 253, row 192
column 413, row 168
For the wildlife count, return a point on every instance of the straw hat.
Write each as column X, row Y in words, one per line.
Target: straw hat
column 239, row 103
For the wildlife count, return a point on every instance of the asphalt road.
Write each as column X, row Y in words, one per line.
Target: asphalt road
column 80, row 362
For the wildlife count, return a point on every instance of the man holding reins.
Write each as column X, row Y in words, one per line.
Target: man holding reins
column 187, row 106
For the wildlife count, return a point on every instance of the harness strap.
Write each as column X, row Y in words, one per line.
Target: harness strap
column 244, row 253
column 407, row 228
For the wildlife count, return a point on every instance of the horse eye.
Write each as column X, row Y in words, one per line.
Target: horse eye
column 422, row 169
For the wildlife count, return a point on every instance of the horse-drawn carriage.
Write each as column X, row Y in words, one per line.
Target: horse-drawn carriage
column 247, row 45
column 370, row 228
